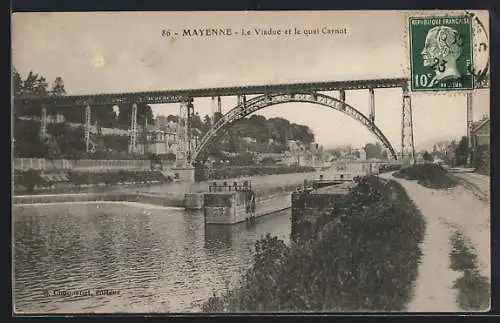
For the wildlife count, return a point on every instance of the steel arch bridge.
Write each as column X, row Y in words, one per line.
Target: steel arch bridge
column 245, row 108
column 267, row 95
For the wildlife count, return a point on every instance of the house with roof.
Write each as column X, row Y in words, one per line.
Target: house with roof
column 480, row 139
column 480, row 133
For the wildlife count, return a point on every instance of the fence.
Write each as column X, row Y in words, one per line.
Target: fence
column 81, row 164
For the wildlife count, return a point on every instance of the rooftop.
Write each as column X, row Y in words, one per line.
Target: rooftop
column 479, row 124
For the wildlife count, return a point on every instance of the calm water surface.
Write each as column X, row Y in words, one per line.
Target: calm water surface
column 149, row 259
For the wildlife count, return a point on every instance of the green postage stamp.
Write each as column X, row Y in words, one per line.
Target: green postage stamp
column 441, row 53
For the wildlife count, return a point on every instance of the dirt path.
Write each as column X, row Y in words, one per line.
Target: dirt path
column 446, row 211
column 477, row 183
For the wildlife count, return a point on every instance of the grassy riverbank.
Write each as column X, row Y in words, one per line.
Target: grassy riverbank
column 473, row 288
column 363, row 257
column 31, row 181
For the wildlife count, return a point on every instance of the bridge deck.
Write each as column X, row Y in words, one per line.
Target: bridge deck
column 174, row 96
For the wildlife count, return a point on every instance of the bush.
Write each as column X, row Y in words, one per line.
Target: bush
column 361, row 256
column 389, row 168
column 428, row 175
column 482, row 160
column 109, row 178
column 474, row 290
column 30, row 179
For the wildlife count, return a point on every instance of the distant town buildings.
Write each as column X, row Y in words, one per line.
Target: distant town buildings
column 160, row 138
column 161, row 123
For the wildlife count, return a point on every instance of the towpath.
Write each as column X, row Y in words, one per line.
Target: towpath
column 446, row 211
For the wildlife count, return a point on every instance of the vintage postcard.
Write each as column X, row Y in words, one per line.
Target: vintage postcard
column 251, row 161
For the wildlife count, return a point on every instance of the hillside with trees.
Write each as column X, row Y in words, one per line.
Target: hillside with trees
column 248, row 135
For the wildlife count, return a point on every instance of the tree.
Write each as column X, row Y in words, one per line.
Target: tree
column 207, row 123
column 105, row 115
column 172, row 118
column 217, row 117
column 195, row 122
column 17, row 83
column 462, row 152
column 27, row 139
column 384, row 154
column 279, row 129
column 373, row 150
column 33, row 85
column 58, row 87
column 144, row 112
column 301, row 133
column 267, row 161
column 170, row 157
column 427, row 156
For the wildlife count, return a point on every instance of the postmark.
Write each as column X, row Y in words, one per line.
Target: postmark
column 481, row 50
column 441, row 54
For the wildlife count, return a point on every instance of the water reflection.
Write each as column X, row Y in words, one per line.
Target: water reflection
column 159, row 260
column 218, row 237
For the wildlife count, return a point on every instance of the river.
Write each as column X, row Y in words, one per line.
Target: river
column 147, row 259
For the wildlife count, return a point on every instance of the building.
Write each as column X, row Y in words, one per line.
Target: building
column 157, row 142
column 480, row 140
column 57, row 118
column 362, row 154
column 161, row 122
column 293, row 145
column 480, row 134
column 249, row 140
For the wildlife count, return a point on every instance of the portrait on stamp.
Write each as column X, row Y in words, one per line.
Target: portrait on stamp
column 441, row 53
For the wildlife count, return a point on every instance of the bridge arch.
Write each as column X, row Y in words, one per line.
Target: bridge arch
column 263, row 101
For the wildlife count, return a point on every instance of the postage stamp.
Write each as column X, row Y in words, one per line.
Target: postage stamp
column 441, row 53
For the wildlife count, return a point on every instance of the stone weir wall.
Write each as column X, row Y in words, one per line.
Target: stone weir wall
column 311, row 210
column 157, row 200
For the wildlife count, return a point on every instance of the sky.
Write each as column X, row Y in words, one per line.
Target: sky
column 125, row 52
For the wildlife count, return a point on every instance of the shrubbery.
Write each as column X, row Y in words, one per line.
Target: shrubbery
column 89, row 178
column 363, row 256
column 474, row 289
column 428, row 175
column 482, row 160
column 29, row 179
column 389, row 168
